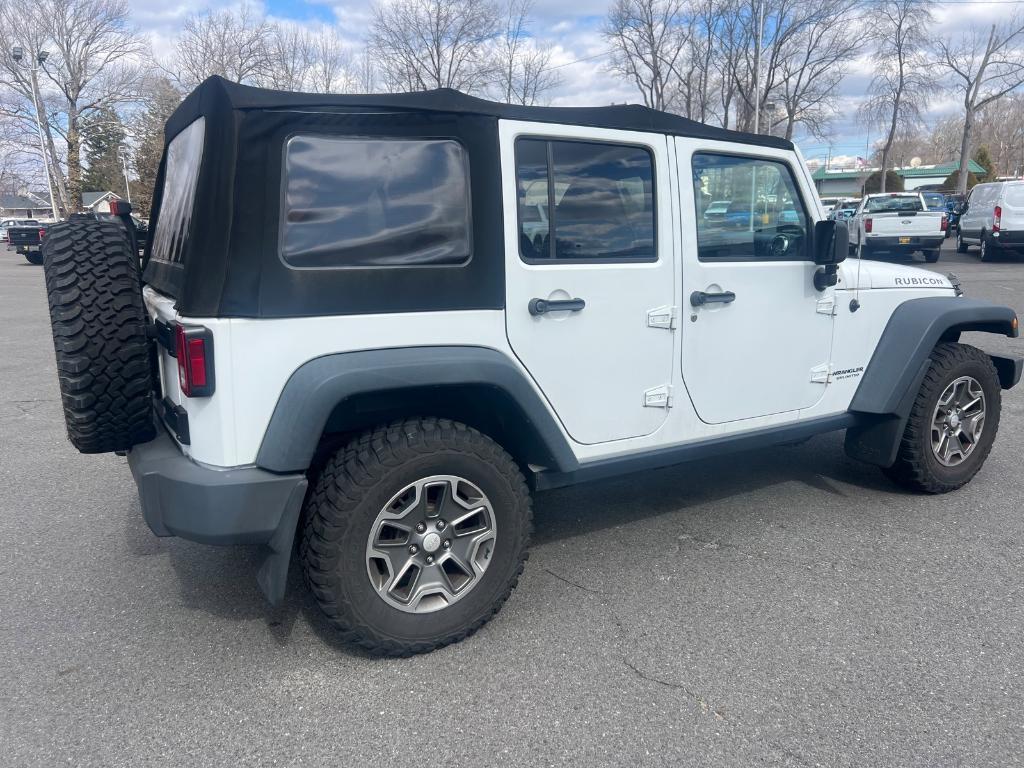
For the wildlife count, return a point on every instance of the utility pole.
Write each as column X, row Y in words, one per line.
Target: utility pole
column 757, row 66
column 18, row 53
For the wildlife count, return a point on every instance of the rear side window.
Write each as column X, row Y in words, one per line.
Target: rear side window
column 177, row 201
column 357, row 202
column 1014, row 196
column 584, row 201
column 894, row 204
column 747, row 209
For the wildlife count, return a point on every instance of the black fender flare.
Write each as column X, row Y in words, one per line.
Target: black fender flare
column 900, row 361
column 318, row 386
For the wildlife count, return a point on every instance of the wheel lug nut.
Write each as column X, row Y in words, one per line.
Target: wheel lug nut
column 447, row 544
column 421, row 527
column 430, row 559
column 413, row 549
column 440, row 525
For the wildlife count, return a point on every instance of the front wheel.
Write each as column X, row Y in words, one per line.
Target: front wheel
column 952, row 423
column 415, row 535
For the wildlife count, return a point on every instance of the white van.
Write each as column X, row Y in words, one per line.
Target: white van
column 993, row 219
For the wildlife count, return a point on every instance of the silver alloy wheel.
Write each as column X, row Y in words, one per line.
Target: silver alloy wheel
column 430, row 545
column 958, row 421
column 982, row 249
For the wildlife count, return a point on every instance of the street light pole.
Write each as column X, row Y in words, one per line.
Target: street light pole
column 18, row 53
column 123, row 154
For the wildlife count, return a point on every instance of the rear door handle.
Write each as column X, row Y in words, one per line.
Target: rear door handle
column 543, row 306
column 699, row 298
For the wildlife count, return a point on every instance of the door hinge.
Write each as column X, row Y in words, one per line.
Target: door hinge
column 827, row 305
column 819, row 373
column 658, row 397
column 662, row 317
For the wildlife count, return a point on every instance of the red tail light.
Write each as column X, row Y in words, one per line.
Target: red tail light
column 42, row 233
column 867, row 225
column 996, row 218
column 945, row 223
column 194, row 349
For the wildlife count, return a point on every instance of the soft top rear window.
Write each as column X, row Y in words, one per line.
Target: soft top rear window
column 177, row 203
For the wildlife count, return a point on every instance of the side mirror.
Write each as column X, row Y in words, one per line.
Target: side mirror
column 831, row 242
column 831, row 246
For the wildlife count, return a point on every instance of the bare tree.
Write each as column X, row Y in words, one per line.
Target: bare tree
column 648, row 39
column 898, row 90
column 522, row 68
column 232, row 45
column 424, row 44
column 984, row 68
column 332, row 70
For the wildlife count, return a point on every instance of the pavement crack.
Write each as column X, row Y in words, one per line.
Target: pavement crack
column 572, row 583
column 693, row 695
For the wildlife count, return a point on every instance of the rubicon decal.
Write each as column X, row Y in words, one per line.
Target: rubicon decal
column 919, row 281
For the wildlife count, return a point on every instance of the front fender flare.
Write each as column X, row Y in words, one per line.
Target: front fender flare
column 894, row 374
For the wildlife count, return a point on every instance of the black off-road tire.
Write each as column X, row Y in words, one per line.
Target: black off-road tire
column 916, row 466
column 358, row 481
column 34, row 257
column 99, row 335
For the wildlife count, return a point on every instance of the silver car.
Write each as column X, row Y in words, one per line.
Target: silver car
column 993, row 219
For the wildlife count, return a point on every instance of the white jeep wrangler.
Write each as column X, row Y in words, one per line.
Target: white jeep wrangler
column 374, row 323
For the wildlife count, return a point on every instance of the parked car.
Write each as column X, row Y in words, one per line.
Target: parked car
column 954, row 205
column 8, row 223
column 27, row 240
column 993, row 219
column 897, row 223
column 845, row 209
column 934, row 201
column 344, row 333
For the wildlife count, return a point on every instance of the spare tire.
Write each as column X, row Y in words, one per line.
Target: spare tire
column 99, row 334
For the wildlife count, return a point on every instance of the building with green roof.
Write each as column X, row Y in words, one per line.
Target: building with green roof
column 849, row 182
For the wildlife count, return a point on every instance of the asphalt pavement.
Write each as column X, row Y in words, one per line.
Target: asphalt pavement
column 779, row 607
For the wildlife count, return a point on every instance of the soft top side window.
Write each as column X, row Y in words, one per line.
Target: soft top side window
column 364, row 202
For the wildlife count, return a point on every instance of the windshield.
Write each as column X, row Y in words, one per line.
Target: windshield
column 935, row 201
column 894, row 204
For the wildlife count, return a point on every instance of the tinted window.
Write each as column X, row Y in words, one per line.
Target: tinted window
column 894, row 204
column 596, row 199
column 375, row 202
column 935, row 201
column 177, row 201
column 765, row 217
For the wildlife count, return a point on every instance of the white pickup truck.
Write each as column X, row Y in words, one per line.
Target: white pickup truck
column 897, row 223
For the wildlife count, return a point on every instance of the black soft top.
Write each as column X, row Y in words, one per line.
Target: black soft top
column 218, row 92
column 229, row 261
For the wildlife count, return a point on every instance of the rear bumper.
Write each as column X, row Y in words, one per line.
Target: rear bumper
column 916, row 243
column 236, row 505
column 1009, row 239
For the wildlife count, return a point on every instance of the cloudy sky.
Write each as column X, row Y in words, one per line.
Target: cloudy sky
column 573, row 31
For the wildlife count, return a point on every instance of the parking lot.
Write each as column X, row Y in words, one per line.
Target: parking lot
column 781, row 607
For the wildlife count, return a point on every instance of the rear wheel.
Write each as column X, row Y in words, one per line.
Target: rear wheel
column 99, row 335
column 415, row 534
column 952, row 423
column 961, row 246
column 931, row 256
column 987, row 248
column 34, row 257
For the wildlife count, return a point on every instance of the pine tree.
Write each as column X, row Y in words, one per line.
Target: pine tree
column 984, row 159
column 163, row 98
column 104, row 136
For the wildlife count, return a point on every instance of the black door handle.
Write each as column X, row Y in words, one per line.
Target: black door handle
column 541, row 306
column 699, row 298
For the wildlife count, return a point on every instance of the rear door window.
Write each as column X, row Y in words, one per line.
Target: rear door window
column 360, row 202
column 1014, row 196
